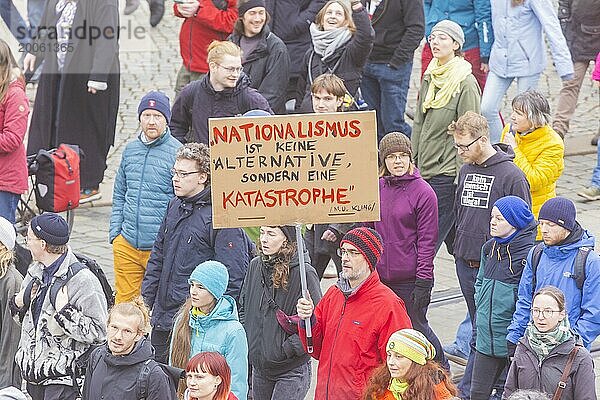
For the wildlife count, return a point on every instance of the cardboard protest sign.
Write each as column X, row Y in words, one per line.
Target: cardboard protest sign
column 303, row 168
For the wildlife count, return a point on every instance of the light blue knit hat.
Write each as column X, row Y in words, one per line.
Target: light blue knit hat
column 213, row 276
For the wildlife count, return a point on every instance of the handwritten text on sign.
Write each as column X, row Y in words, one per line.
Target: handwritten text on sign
column 312, row 168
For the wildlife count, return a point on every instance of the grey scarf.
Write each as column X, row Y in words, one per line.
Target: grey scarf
column 326, row 43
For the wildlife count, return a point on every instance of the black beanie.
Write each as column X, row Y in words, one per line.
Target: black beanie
column 561, row 211
column 250, row 4
column 289, row 231
column 368, row 242
column 50, row 227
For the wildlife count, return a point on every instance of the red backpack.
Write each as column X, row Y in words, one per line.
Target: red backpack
column 57, row 186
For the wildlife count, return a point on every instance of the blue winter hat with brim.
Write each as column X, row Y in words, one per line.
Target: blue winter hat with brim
column 515, row 211
column 213, row 276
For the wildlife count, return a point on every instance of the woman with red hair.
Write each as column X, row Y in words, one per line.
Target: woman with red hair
column 208, row 377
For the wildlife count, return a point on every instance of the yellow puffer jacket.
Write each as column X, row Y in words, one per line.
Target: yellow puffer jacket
column 540, row 155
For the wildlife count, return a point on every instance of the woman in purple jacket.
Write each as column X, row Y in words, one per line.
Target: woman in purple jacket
column 409, row 229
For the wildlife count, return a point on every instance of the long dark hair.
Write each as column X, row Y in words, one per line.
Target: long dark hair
column 421, row 380
column 280, row 262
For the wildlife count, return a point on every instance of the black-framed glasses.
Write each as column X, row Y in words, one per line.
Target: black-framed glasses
column 465, row 147
column 231, row 70
column 346, row 252
column 546, row 313
column 182, row 174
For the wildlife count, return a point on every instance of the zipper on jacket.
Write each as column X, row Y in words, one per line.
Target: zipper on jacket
column 333, row 347
column 139, row 195
column 490, row 318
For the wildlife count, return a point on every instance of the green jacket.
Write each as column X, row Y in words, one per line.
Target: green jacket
column 432, row 147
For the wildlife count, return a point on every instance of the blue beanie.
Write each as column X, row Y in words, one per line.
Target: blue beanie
column 561, row 211
column 213, row 276
column 515, row 211
column 158, row 101
column 256, row 112
column 50, row 227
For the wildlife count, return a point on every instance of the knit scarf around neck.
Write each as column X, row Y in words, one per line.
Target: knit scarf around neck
column 447, row 79
column 326, row 43
column 542, row 343
column 397, row 387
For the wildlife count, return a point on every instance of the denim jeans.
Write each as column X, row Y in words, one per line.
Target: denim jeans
column 495, row 89
column 445, row 191
column 290, row 385
column 418, row 317
column 8, row 205
column 596, row 173
column 385, row 90
column 464, row 333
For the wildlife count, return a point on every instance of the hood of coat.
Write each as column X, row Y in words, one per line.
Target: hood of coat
column 563, row 251
column 261, row 49
column 225, row 310
column 142, row 351
column 504, row 153
column 242, row 83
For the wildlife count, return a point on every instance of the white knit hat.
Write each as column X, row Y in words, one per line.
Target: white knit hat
column 7, row 234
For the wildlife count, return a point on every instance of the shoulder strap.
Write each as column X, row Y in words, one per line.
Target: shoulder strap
column 535, row 260
column 142, row 382
column 563, row 379
column 59, row 282
column 579, row 267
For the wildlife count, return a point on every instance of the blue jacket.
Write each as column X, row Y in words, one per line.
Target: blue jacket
column 185, row 239
column 221, row 331
column 142, row 190
column 519, row 49
column 583, row 306
column 473, row 16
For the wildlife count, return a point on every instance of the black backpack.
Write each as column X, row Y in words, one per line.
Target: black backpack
column 92, row 265
column 579, row 265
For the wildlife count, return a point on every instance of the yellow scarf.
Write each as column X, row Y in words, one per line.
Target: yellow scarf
column 196, row 312
column 397, row 387
column 447, row 78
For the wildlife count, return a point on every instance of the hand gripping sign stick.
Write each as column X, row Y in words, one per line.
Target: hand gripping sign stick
column 305, row 294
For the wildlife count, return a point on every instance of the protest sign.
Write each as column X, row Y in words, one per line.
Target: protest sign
column 303, row 168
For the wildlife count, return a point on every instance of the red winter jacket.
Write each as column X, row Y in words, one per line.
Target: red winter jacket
column 210, row 23
column 14, row 111
column 350, row 336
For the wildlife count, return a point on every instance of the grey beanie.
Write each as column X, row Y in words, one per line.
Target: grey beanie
column 7, row 234
column 451, row 29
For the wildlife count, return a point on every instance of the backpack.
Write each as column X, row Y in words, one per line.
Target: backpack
column 92, row 265
column 57, row 185
column 579, row 265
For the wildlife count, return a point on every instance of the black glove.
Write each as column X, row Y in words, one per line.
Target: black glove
column 421, row 295
column 511, row 347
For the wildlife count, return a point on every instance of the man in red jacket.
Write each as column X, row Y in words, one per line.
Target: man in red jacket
column 203, row 23
column 353, row 321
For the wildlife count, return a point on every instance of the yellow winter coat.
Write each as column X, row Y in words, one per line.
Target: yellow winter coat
column 540, row 155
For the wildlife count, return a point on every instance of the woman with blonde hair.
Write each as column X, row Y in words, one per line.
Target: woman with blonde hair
column 10, row 283
column 208, row 377
column 208, row 321
column 342, row 38
column 410, row 372
column 14, row 111
column 280, row 367
column 224, row 92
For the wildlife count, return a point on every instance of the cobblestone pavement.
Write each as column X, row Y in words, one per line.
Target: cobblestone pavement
column 152, row 63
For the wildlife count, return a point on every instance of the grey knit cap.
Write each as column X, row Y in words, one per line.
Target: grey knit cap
column 451, row 29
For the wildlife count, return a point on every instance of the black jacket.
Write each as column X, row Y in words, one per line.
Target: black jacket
column 268, row 67
column 350, row 60
column 270, row 348
column 198, row 102
column 580, row 22
column 111, row 377
column 290, row 20
column 399, row 28
column 185, row 239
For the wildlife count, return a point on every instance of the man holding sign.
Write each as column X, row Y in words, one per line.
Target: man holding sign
column 349, row 338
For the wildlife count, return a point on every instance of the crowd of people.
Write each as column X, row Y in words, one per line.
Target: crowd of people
column 206, row 313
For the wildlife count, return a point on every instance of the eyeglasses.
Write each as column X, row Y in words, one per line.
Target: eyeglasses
column 125, row 333
column 465, row 147
column 394, row 157
column 231, row 70
column 546, row 313
column 182, row 174
column 350, row 253
column 432, row 37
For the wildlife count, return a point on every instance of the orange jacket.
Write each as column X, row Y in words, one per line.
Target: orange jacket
column 440, row 392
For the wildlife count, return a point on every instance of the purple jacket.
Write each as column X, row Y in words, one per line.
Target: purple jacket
column 408, row 227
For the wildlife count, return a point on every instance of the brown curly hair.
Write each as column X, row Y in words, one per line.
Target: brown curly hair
column 421, row 380
column 281, row 263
